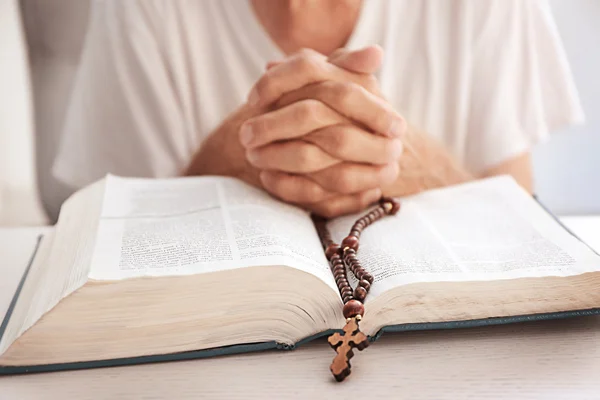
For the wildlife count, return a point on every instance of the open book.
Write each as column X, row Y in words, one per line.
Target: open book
column 143, row 270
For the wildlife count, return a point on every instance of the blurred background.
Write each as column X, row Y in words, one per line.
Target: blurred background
column 40, row 43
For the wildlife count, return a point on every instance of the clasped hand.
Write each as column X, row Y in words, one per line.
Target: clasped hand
column 327, row 140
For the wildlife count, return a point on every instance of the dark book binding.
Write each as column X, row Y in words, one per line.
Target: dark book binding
column 253, row 347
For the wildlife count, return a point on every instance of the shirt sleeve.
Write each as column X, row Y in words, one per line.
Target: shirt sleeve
column 123, row 117
column 522, row 86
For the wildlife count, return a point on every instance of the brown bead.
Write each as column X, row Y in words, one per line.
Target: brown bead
column 342, row 283
column 351, row 242
column 364, row 283
column 360, row 293
column 395, row 207
column 331, row 250
column 384, row 200
column 353, row 308
column 367, row 277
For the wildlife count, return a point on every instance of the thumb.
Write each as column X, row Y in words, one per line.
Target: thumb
column 364, row 61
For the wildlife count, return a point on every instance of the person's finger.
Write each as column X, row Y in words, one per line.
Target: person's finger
column 353, row 178
column 354, row 102
column 297, row 189
column 272, row 64
column 338, row 52
column 294, row 156
column 297, row 71
column 294, row 120
column 365, row 61
column 349, row 142
column 345, row 204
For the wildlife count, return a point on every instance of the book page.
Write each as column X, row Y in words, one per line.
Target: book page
column 183, row 226
column 484, row 230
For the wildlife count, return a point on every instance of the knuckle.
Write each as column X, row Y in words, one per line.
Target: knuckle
column 365, row 199
column 265, row 85
column 371, row 84
column 345, row 182
column 314, row 193
column 309, row 109
column 304, row 156
column 343, row 144
column 308, row 64
column 260, row 126
column 274, row 184
column 307, row 52
column 344, row 92
column 281, row 188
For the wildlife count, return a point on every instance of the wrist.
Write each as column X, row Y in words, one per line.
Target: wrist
column 221, row 153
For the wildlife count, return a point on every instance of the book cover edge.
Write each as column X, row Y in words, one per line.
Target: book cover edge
column 15, row 297
column 255, row 347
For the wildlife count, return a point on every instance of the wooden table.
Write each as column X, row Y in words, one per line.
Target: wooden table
column 542, row 360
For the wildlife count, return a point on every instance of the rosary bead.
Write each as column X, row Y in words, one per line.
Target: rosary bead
column 351, row 242
column 390, row 205
column 367, row 277
column 360, row 293
column 342, row 282
column 353, row 308
column 331, row 250
column 364, row 283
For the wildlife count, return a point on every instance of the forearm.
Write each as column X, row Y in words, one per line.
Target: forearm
column 427, row 164
column 220, row 154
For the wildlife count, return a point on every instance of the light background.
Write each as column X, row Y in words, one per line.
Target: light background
column 567, row 167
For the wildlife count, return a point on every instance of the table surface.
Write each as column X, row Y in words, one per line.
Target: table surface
column 541, row 360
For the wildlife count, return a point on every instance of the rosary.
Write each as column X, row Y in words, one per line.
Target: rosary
column 339, row 258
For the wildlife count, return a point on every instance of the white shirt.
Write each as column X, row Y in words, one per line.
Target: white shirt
column 488, row 78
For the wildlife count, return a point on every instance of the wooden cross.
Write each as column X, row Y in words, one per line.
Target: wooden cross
column 343, row 345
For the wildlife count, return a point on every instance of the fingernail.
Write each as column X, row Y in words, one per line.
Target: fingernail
column 397, row 149
column 397, row 128
column 246, row 135
column 251, row 156
column 253, row 98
